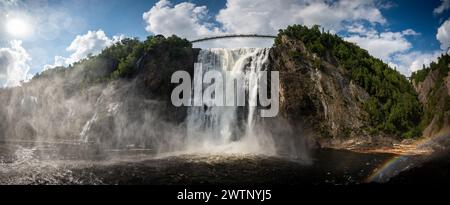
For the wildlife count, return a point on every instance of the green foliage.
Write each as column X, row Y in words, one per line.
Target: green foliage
column 128, row 52
column 438, row 100
column 441, row 65
column 121, row 49
column 295, row 54
column 116, row 61
column 135, row 50
column 393, row 106
column 420, row 75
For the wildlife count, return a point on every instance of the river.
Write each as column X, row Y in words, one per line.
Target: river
column 46, row 165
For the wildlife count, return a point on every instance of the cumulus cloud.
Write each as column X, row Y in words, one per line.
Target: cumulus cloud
column 393, row 48
column 13, row 64
column 93, row 42
column 264, row 16
column 184, row 18
column 269, row 16
column 356, row 18
column 383, row 45
column 413, row 61
column 410, row 32
column 408, row 62
column 445, row 4
column 359, row 28
column 443, row 35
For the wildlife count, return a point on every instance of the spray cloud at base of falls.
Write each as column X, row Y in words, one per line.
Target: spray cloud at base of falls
column 229, row 129
column 72, row 120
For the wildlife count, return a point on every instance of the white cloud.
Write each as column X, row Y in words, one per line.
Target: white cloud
column 185, row 18
column 443, row 35
column 408, row 62
column 59, row 61
column 410, row 32
column 93, row 42
column 392, row 47
column 383, row 45
column 264, row 16
column 359, row 28
column 413, row 61
column 8, row 2
column 13, row 64
column 445, row 4
column 268, row 16
column 357, row 17
column 395, row 49
column 386, row 4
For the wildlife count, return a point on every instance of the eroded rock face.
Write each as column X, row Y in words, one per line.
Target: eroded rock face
column 317, row 99
column 423, row 88
column 318, row 94
column 447, row 80
column 434, row 94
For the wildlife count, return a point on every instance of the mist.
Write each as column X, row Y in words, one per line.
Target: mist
column 69, row 117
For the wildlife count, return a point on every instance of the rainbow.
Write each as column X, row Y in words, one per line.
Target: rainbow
column 401, row 162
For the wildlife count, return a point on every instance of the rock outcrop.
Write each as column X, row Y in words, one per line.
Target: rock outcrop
column 319, row 99
column 318, row 94
column 434, row 94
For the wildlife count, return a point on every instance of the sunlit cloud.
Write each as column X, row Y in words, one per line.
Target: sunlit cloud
column 191, row 21
column 93, row 42
column 14, row 64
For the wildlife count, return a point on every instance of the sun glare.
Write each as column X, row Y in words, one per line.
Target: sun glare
column 17, row 27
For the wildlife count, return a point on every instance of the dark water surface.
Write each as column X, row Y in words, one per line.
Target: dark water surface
column 72, row 164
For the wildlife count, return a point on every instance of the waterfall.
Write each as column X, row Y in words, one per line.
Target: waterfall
column 229, row 128
column 84, row 137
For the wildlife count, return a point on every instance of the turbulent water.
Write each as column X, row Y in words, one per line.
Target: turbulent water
column 229, row 129
column 117, row 125
column 116, row 136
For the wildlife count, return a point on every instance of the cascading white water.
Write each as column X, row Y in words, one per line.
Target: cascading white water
column 229, row 129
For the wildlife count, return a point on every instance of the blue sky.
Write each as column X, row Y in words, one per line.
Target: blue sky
column 403, row 33
column 417, row 15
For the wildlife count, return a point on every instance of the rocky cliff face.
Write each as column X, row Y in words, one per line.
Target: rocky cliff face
column 318, row 94
column 434, row 94
column 319, row 99
column 423, row 88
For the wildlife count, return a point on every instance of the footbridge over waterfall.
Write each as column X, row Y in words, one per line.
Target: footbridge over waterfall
column 233, row 36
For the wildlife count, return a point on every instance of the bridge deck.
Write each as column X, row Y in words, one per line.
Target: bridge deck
column 233, row 36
